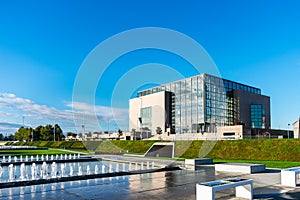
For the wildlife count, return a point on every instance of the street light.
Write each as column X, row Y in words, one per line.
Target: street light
column 289, row 130
column 140, row 119
column 108, row 126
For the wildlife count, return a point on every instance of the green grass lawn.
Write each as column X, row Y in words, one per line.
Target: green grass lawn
column 32, row 152
column 269, row 164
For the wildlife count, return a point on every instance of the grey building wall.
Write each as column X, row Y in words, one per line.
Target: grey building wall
column 243, row 102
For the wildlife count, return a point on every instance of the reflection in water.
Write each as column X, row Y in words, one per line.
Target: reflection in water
column 10, row 193
column 33, row 189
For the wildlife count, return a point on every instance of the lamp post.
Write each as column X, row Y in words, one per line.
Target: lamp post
column 31, row 131
column 108, row 126
column 140, row 119
column 288, row 131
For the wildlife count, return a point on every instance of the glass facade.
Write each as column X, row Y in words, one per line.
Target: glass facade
column 146, row 115
column 257, row 116
column 202, row 102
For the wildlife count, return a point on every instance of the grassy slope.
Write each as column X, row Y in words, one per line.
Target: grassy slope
column 272, row 150
column 31, row 152
column 273, row 153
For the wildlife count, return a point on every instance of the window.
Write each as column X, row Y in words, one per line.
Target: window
column 257, row 113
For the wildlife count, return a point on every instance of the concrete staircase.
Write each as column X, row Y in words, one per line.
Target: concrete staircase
column 161, row 149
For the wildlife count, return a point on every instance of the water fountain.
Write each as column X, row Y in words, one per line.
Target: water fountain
column 123, row 167
column 71, row 170
column 44, row 170
column 10, row 172
column 1, row 171
column 62, row 169
column 117, row 167
column 9, row 158
column 33, row 171
column 96, row 169
column 22, row 172
column 40, row 171
column 79, row 170
column 53, row 170
column 110, row 168
column 88, row 170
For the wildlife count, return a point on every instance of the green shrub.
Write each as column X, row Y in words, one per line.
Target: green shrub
column 78, row 145
column 66, row 144
column 43, row 144
column 55, row 144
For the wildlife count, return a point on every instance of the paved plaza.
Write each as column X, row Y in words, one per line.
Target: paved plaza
column 180, row 184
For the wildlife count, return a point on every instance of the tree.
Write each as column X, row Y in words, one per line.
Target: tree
column 1, row 137
column 11, row 137
column 158, row 130
column 37, row 133
column 46, row 133
column 69, row 134
column 58, row 132
column 23, row 134
column 120, row 133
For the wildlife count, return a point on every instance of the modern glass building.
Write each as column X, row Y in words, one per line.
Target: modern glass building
column 200, row 104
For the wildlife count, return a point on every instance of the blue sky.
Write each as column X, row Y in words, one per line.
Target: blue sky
column 43, row 44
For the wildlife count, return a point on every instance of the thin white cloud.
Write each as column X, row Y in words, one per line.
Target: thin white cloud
column 14, row 107
column 102, row 112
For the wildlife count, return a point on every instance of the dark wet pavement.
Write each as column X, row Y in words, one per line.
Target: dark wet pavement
column 180, row 184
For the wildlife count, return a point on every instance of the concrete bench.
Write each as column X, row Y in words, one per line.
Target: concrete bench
column 206, row 190
column 289, row 176
column 240, row 167
column 198, row 161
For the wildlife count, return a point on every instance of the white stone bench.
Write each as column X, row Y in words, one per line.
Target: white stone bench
column 206, row 191
column 240, row 167
column 198, row 161
column 289, row 176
